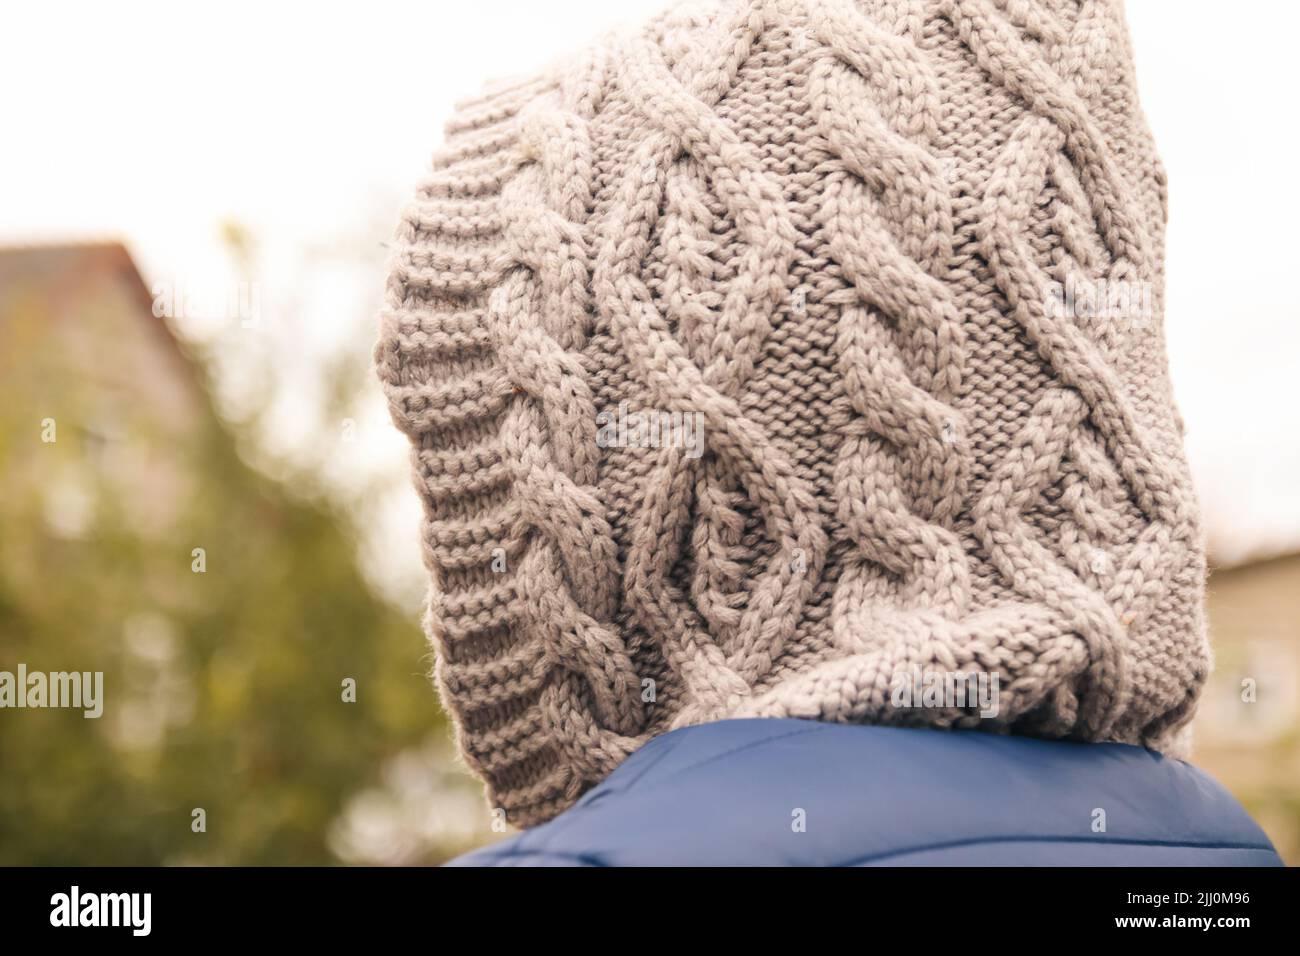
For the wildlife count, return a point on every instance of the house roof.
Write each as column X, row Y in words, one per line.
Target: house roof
column 61, row 267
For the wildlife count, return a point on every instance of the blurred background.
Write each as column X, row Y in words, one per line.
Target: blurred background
column 194, row 202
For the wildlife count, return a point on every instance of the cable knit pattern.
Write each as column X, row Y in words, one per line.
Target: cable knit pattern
column 828, row 232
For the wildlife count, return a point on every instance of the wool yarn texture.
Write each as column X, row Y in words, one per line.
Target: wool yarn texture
column 776, row 354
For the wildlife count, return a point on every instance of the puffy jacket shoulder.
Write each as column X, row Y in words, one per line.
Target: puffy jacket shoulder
column 800, row 793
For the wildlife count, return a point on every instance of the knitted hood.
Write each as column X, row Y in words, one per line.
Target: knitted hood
column 799, row 358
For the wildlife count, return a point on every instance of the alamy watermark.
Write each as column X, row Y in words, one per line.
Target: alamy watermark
column 915, row 688
column 79, row 690
column 651, row 429
column 1112, row 300
column 232, row 300
column 130, row 910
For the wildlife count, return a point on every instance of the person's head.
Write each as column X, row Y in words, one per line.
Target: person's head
column 799, row 359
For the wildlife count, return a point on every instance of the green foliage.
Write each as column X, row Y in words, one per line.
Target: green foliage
column 223, row 689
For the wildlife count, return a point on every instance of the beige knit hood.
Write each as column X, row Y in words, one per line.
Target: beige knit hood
column 781, row 356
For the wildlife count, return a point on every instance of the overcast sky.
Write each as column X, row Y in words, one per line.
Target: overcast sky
column 154, row 122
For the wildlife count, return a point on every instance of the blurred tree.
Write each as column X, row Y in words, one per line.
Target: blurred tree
column 224, row 667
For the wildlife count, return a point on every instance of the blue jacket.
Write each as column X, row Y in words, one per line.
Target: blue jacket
column 798, row 793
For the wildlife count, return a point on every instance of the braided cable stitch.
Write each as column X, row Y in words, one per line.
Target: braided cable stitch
column 828, row 231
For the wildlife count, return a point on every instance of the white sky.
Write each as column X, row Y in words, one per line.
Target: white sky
column 153, row 122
